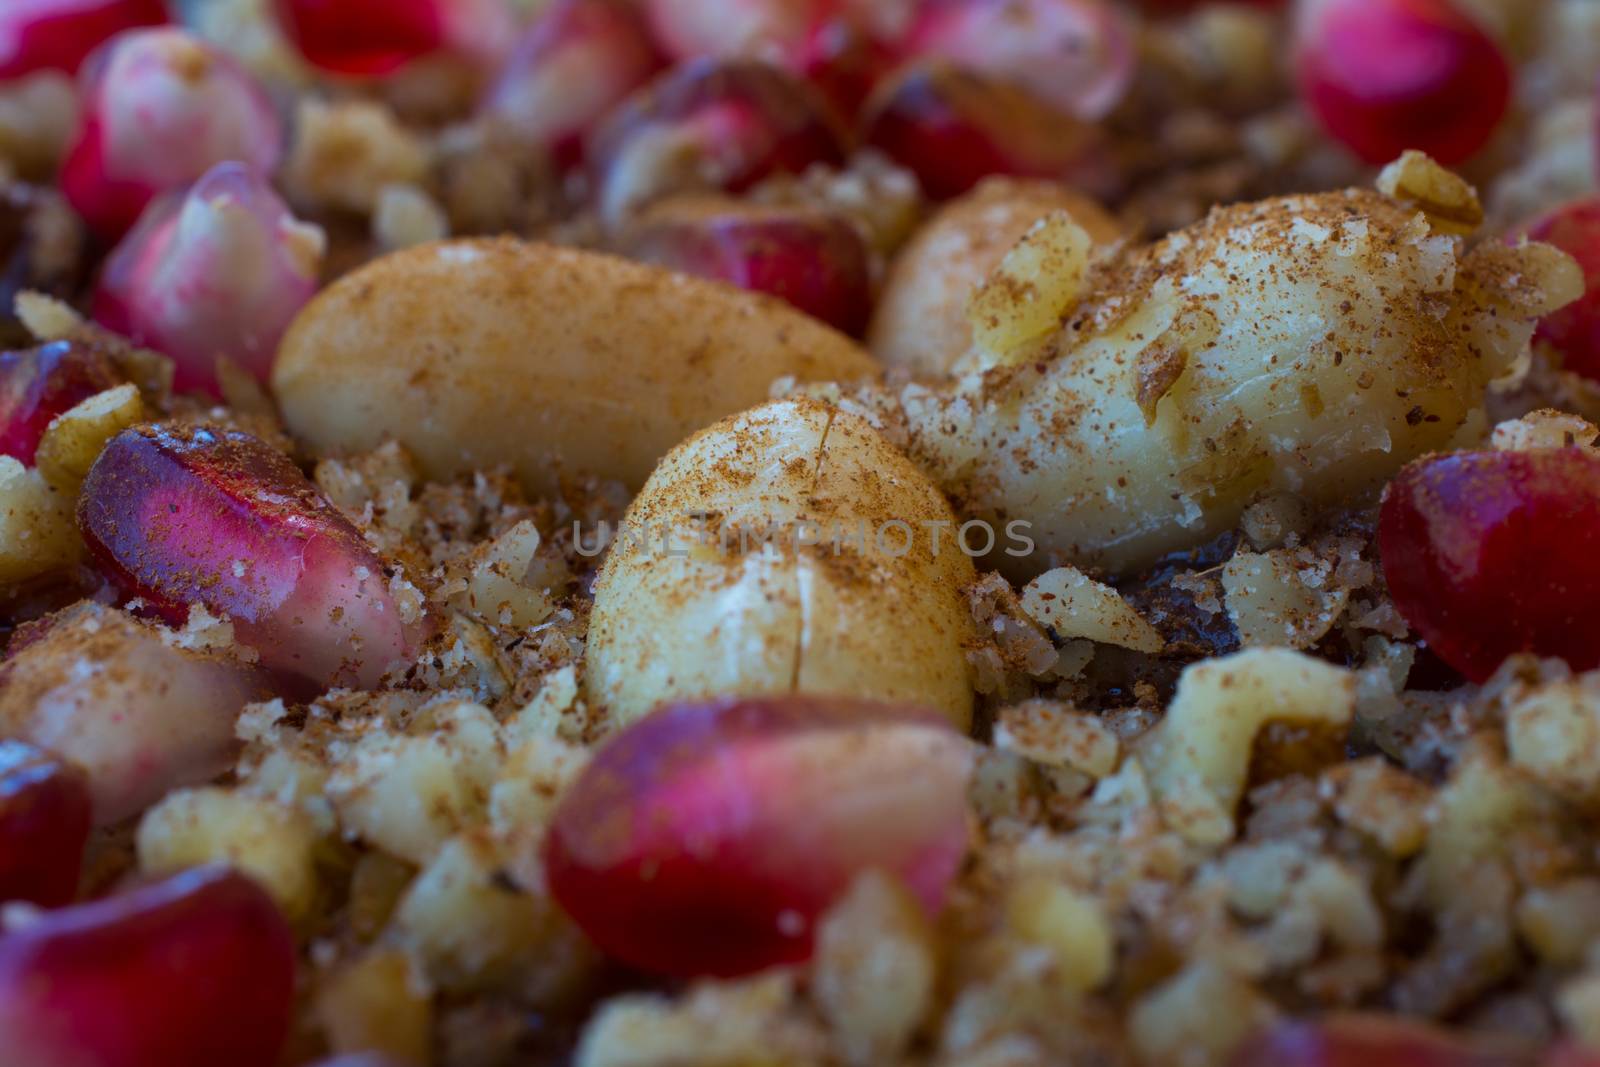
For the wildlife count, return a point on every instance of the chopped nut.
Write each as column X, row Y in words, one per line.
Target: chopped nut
column 270, row 842
column 470, row 929
column 1553, row 733
column 1450, row 203
column 1197, row 1018
column 1058, row 736
column 1074, row 605
column 37, row 532
column 345, row 153
column 1271, row 604
column 377, row 1005
column 1545, row 428
column 875, row 970
column 1067, row 922
column 74, row 439
column 1199, row 758
column 1382, row 801
column 406, row 216
column 1561, row 921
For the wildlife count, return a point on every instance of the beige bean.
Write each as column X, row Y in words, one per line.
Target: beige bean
column 807, row 610
column 553, row 360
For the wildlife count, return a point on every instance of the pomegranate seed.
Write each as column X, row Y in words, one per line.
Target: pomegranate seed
column 1171, row 7
column 160, row 108
column 178, row 515
column 1077, row 55
column 44, row 825
column 99, row 688
column 217, row 272
column 823, row 41
column 370, row 38
column 59, row 34
column 194, row 971
column 815, row 260
column 1493, row 553
column 1383, row 76
column 707, row 839
column 577, row 61
column 953, row 128
column 1368, row 1041
column 709, row 124
column 37, row 384
column 1574, row 331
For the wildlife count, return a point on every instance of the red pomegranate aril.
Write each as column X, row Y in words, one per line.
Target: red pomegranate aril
column 1383, row 76
column 768, row 29
column 215, row 273
column 707, row 838
column 59, row 34
column 1493, row 553
column 578, row 60
column 194, row 971
column 1371, row 1041
column 109, row 694
column 1178, row 7
column 953, row 128
column 371, row 38
column 709, row 125
column 44, row 825
column 178, row 515
column 815, row 260
column 828, row 42
column 37, row 384
column 1574, row 331
column 362, row 37
column 1078, row 55
column 160, row 108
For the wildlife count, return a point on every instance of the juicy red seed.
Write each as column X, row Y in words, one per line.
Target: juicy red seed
column 178, row 515
column 44, row 825
column 692, row 29
column 816, row 261
column 1078, row 55
column 37, row 384
column 1168, row 7
column 109, row 694
column 59, row 34
column 194, row 971
column 577, row 61
column 953, row 128
column 1574, row 331
column 362, row 37
column 160, row 108
column 217, row 272
column 1387, row 75
column 1493, row 553
column 824, row 41
column 707, row 839
column 738, row 121
column 1370, row 1041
